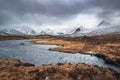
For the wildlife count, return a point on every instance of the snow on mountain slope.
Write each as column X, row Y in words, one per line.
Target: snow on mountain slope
column 51, row 32
column 17, row 30
column 48, row 32
column 101, row 29
column 105, row 28
column 26, row 30
column 104, row 24
column 79, row 31
column 10, row 32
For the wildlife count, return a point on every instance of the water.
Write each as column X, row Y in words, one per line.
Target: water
column 39, row 54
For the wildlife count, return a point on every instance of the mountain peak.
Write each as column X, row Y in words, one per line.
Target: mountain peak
column 104, row 23
column 78, row 29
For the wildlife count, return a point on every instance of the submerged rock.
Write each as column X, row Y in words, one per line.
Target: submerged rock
column 22, row 43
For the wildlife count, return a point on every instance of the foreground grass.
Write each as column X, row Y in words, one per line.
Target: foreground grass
column 13, row 69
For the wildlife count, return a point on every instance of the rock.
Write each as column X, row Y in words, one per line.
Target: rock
column 22, row 43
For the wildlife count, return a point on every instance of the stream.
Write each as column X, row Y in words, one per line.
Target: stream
column 39, row 54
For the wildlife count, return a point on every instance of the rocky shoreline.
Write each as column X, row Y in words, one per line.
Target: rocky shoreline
column 12, row 69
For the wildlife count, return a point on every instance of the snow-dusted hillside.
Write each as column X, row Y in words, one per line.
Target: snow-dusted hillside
column 51, row 32
column 101, row 29
column 78, row 31
column 47, row 32
column 17, row 30
column 105, row 28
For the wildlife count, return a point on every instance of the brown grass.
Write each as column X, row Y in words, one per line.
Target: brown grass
column 9, row 71
column 5, row 37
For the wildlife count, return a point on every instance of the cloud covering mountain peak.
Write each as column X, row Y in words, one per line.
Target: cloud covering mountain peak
column 58, row 12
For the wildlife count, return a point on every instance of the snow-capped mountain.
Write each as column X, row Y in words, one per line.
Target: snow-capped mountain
column 51, row 32
column 78, row 31
column 17, row 30
column 47, row 32
column 101, row 29
column 104, row 24
column 105, row 28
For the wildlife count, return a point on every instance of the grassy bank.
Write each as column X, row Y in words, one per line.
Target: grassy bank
column 13, row 69
column 106, row 46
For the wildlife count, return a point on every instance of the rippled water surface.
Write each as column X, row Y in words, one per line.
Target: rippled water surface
column 39, row 54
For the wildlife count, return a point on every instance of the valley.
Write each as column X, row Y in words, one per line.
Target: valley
column 78, row 53
column 105, row 47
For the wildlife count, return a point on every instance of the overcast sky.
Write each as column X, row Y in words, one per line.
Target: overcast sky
column 58, row 13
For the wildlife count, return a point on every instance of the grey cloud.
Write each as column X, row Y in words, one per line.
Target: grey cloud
column 106, row 4
column 50, row 8
column 109, row 7
column 47, row 11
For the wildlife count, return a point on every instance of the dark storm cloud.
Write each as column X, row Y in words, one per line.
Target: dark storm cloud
column 106, row 4
column 109, row 7
column 50, row 8
column 42, row 11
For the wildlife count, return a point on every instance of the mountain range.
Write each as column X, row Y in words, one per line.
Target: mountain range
column 101, row 29
column 17, row 30
column 105, row 28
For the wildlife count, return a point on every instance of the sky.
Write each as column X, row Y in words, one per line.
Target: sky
column 58, row 14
